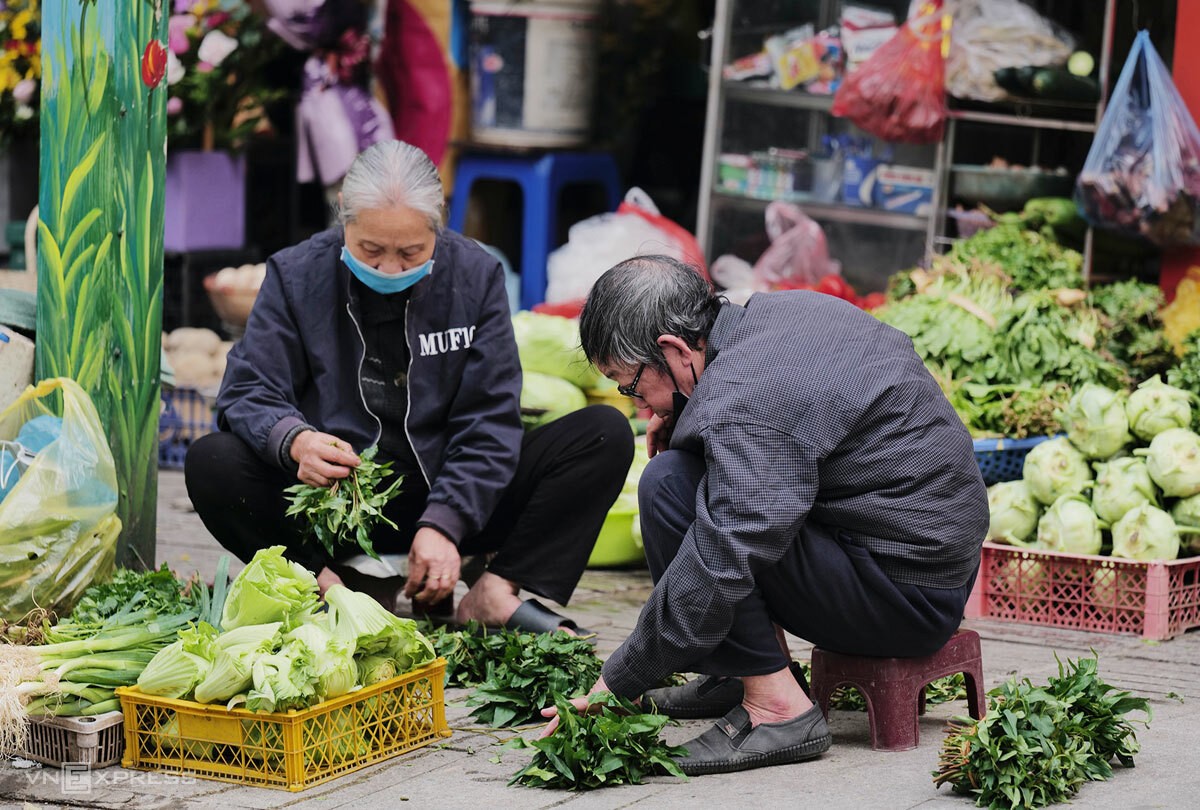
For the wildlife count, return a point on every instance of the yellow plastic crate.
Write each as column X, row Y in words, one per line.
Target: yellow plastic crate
column 289, row 750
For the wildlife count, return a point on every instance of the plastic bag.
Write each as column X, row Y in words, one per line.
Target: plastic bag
column 1142, row 175
column 594, row 245
column 993, row 34
column 898, row 94
column 798, row 255
column 58, row 524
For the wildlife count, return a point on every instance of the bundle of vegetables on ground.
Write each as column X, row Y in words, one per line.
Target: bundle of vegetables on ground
column 118, row 627
column 1128, row 468
column 1038, row 744
column 1002, row 324
column 278, row 652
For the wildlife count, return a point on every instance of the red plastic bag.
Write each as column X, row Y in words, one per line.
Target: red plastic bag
column 637, row 202
column 899, row 93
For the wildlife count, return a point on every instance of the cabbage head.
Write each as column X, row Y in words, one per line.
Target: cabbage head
column 1173, row 460
column 1070, row 525
column 549, row 344
column 1156, row 406
column 1096, row 422
column 1145, row 533
column 1014, row 513
column 543, row 392
column 1055, row 468
column 1122, row 484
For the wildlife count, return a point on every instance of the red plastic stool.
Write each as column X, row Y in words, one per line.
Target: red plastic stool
column 894, row 688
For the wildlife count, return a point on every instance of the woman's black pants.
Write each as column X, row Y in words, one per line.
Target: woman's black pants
column 541, row 532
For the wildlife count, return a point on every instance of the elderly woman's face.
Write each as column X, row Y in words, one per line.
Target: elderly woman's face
column 391, row 240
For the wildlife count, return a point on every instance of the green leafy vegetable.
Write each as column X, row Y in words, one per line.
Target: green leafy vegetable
column 157, row 590
column 1032, row 260
column 1037, row 745
column 1130, row 326
column 616, row 745
column 1186, row 374
column 356, row 618
column 525, row 672
column 269, row 589
column 347, row 510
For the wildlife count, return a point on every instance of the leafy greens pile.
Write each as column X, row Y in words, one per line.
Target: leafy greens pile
column 1002, row 324
column 1037, row 745
column 614, row 745
column 277, row 652
column 515, row 674
column 348, row 509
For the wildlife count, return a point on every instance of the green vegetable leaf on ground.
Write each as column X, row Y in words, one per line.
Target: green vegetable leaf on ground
column 347, row 510
column 616, row 745
column 847, row 698
column 1038, row 744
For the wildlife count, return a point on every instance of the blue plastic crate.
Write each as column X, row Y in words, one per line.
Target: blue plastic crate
column 187, row 415
column 1003, row 459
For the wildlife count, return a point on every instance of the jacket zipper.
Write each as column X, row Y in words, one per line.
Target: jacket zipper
column 362, row 395
column 408, row 399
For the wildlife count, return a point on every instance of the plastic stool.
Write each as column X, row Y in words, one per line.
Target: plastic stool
column 541, row 177
column 894, row 688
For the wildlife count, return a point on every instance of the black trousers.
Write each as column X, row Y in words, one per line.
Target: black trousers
column 826, row 590
column 541, row 532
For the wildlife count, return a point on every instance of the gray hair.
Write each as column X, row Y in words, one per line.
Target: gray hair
column 638, row 300
column 390, row 174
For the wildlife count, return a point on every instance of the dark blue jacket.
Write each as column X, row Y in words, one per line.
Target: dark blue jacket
column 300, row 359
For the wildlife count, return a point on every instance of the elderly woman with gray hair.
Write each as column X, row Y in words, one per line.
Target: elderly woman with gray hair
column 392, row 331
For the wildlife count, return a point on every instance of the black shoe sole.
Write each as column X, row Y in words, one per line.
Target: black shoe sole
column 785, row 756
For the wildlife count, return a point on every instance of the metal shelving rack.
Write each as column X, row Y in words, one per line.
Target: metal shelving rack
column 721, row 90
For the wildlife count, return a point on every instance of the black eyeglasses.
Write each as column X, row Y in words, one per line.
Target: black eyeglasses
column 631, row 389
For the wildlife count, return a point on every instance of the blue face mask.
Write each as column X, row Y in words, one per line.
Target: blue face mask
column 384, row 283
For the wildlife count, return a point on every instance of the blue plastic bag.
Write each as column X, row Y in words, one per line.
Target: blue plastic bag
column 1142, row 175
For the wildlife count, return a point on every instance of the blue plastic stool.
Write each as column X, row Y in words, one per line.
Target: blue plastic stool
column 541, row 177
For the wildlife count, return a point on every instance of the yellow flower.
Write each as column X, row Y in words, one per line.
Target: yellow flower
column 19, row 22
column 8, row 79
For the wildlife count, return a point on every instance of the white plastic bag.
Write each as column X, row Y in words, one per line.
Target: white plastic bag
column 992, row 34
column 597, row 243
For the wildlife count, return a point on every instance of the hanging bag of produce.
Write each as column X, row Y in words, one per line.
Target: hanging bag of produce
column 898, row 94
column 58, row 523
column 1142, row 175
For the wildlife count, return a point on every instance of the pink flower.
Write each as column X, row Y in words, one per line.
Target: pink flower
column 174, row 105
column 204, row 67
column 177, row 28
column 23, row 92
column 215, row 47
column 218, row 19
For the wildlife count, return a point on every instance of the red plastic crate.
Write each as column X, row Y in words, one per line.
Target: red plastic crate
column 1156, row 600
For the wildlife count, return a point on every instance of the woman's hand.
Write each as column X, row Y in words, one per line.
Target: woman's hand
column 326, row 580
column 433, row 567
column 658, row 435
column 323, row 459
column 581, row 704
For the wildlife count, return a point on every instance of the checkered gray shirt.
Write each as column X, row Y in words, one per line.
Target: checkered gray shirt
column 808, row 408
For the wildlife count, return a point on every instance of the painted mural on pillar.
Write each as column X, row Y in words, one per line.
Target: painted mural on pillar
column 100, row 234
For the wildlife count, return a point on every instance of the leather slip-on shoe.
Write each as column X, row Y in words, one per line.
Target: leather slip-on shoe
column 733, row 745
column 699, row 698
column 706, row 696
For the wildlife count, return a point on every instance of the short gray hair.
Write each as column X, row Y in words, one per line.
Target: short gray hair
column 638, row 300
column 390, row 174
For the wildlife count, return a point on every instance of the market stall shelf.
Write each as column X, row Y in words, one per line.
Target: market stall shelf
column 286, row 750
column 1157, row 600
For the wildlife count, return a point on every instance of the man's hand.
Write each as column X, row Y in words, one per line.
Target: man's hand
column 323, row 459
column 326, row 580
column 433, row 567
column 581, row 704
column 658, row 435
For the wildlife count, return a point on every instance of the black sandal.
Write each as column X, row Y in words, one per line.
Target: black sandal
column 534, row 617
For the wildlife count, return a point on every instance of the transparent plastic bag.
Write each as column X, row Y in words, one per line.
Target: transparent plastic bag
column 594, row 245
column 798, row 253
column 1142, row 175
column 58, row 524
column 898, row 94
